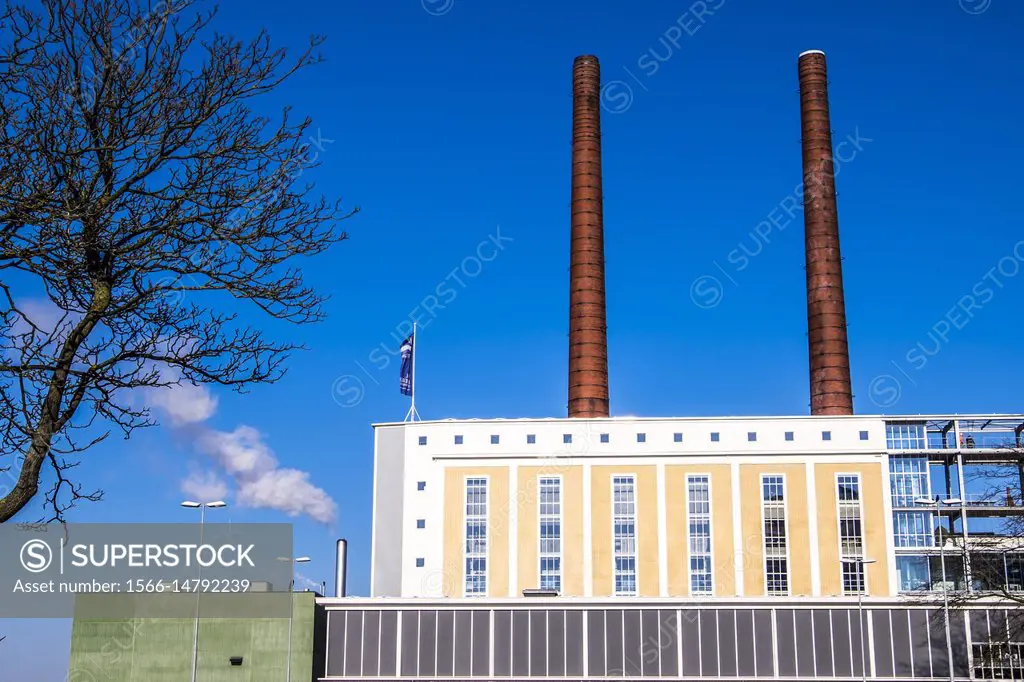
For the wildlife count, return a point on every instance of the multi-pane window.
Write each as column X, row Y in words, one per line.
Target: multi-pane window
column 913, row 529
column 551, row 534
column 904, row 436
column 851, row 533
column 773, row 504
column 476, row 536
column 925, row 572
column 908, row 481
column 908, row 478
column 698, row 507
column 624, row 534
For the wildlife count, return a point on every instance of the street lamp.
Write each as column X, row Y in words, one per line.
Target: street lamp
column 861, row 562
column 202, row 507
column 291, row 609
column 938, row 502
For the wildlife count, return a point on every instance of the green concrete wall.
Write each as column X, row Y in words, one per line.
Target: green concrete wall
column 160, row 649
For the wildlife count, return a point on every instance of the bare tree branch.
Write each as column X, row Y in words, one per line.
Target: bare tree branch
column 143, row 195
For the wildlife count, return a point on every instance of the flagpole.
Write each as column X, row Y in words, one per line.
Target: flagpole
column 412, row 407
column 412, row 415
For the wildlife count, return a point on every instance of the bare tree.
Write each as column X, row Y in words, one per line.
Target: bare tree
column 996, row 556
column 146, row 201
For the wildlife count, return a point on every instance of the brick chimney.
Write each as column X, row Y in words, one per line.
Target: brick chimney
column 588, row 332
column 829, row 353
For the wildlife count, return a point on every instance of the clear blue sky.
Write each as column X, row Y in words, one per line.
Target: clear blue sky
column 446, row 126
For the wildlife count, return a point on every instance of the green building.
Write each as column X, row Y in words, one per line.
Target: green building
column 143, row 649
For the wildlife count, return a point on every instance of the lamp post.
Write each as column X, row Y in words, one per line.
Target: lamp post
column 938, row 503
column 861, row 562
column 202, row 507
column 291, row 611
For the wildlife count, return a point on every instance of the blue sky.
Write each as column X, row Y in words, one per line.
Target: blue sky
column 449, row 120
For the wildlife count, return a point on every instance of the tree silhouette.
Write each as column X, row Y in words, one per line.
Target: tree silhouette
column 143, row 197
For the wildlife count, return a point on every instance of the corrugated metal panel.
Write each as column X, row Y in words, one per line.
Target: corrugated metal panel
column 883, row 643
column 521, row 643
column 353, row 643
column 823, row 651
column 632, row 637
column 371, row 644
column 574, row 634
column 745, row 644
column 445, row 643
column 842, row 645
column 595, row 642
column 765, row 649
column 690, row 626
column 650, row 646
column 785, row 632
column 727, row 643
column 709, row 643
column 464, row 643
column 428, row 644
column 538, row 643
column 482, row 643
column 531, row 643
column 502, row 643
column 556, row 643
column 410, row 643
column 388, row 643
column 669, row 627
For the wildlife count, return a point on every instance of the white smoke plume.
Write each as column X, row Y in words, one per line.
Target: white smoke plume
column 204, row 486
column 259, row 479
column 183, row 403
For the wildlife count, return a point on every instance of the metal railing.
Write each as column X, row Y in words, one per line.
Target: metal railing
column 999, row 661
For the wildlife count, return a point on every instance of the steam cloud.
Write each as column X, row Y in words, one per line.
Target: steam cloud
column 259, row 480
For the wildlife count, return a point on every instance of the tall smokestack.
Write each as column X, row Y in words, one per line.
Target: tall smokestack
column 588, row 331
column 826, row 308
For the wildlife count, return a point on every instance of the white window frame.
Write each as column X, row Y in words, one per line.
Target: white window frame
column 904, row 505
column 786, row 536
column 636, row 537
column 839, row 530
column 920, row 481
column 541, row 517
column 711, row 534
column 898, row 435
column 487, row 537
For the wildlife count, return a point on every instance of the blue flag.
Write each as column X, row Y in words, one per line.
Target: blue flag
column 405, row 377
